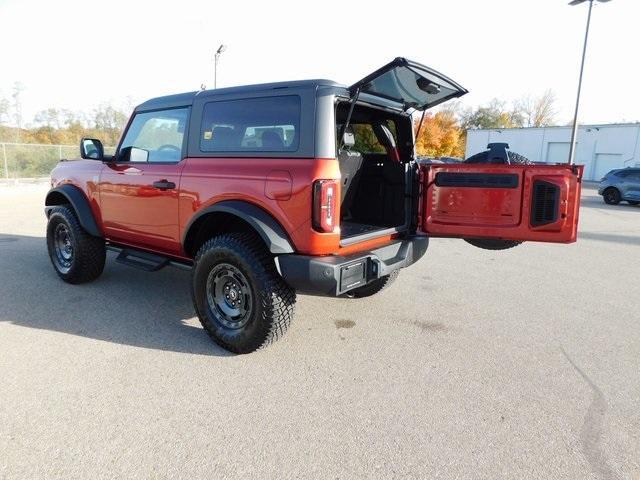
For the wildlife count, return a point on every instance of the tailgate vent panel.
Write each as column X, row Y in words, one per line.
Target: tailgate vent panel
column 545, row 204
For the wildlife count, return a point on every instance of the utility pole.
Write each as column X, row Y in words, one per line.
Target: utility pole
column 574, row 130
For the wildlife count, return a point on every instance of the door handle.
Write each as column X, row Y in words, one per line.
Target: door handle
column 164, row 185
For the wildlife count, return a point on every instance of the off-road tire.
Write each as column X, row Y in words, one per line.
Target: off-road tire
column 633, row 202
column 271, row 299
column 373, row 287
column 514, row 158
column 611, row 196
column 88, row 252
column 492, row 243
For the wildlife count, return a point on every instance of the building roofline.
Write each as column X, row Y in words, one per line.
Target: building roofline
column 581, row 126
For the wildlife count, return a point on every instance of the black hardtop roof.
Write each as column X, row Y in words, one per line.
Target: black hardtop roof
column 185, row 99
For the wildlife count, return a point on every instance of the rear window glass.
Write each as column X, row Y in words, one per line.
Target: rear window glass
column 268, row 124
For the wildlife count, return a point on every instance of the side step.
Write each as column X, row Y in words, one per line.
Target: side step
column 149, row 262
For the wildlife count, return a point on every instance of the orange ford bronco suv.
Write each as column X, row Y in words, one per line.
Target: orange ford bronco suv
column 263, row 191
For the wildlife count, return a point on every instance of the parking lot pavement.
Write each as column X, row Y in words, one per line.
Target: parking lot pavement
column 474, row 364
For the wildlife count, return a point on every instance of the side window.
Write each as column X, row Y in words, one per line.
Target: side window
column 267, row 124
column 366, row 139
column 159, row 133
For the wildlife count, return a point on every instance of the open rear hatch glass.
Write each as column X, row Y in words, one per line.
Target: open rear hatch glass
column 409, row 85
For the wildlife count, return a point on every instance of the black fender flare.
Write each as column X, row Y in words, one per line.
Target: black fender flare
column 80, row 204
column 269, row 229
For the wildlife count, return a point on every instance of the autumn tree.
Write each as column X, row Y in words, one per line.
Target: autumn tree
column 495, row 114
column 439, row 136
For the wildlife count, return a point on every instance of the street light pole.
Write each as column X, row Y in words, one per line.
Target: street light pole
column 221, row 49
column 574, row 130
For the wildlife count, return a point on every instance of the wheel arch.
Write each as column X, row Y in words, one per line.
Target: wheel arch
column 233, row 214
column 72, row 195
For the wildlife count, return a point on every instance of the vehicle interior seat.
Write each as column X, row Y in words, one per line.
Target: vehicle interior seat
column 223, row 138
column 350, row 162
column 272, row 140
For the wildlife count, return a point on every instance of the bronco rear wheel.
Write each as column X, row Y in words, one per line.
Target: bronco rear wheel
column 373, row 287
column 239, row 297
column 77, row 256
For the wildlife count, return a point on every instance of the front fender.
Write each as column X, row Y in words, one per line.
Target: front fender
column 80, row 204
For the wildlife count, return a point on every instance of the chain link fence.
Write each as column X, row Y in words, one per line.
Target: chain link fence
column 34, row 160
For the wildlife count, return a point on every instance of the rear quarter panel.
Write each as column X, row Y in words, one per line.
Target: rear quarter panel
column 280, row 186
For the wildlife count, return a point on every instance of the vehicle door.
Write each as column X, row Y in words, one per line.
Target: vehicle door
column 631, row 185
column 507, row 202
column 139, row 188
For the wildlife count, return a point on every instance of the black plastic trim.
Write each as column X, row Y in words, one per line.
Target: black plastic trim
column 477, row 180
column 271, row 232
column 545, row 203
column 80, row 204
column 148, row 258
column 324, row 276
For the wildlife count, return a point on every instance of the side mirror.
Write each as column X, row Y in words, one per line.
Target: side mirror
column 133, row 154
column 92, row 149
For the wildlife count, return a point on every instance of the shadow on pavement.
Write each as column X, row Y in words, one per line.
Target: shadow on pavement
column 609, row 237
column 591, row 201
column 124, row 305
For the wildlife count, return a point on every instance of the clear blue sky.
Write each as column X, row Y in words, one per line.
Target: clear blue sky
column 75, row 54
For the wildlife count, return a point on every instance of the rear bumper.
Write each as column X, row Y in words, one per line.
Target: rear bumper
column 334, row 275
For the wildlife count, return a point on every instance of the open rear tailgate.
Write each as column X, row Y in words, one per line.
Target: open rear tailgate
column 512, row 202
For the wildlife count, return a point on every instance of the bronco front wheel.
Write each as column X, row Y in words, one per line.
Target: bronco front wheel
column 77, row 256
column 238, row 295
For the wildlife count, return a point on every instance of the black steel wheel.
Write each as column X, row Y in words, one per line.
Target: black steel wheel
column 240, row 298
column 77, row 256
column 62, row 248
column 229, row 296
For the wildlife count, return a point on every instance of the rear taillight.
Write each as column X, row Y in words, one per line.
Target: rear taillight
column 324, row 205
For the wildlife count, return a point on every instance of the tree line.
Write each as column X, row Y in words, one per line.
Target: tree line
column 59, row 126
column 442, row 133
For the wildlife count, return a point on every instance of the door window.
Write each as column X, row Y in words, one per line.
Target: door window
column 159, row 133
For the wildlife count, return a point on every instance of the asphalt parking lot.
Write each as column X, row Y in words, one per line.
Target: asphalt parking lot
column 475, row 364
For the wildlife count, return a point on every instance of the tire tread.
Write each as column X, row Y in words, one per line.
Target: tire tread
column 89, row 251
column 277, row 298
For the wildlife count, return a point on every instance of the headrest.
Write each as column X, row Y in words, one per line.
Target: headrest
column 224, row 137
column 271, row 139
column 349, row 139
